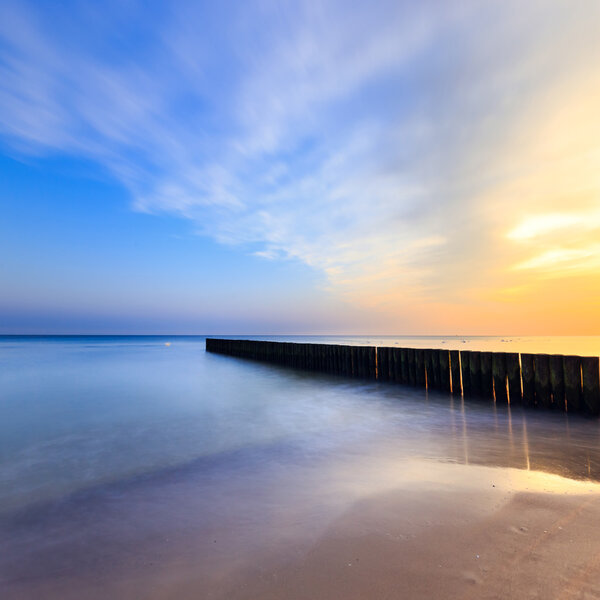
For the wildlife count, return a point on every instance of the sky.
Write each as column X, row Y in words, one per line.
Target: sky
column 300, row 167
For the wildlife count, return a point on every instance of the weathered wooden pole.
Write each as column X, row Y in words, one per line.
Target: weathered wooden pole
column 403, row 365
column 541, row 367
column 573, row 388
column 499, row 377
column 591, row 384
column 428, row 359
column 444, row 356
column 316, row 357
column 455, row 371
column 487, row 381
column 391, row 367
column 323, row 358
column 395, row 365
column 347, row 360
column 366, row 362
column 475, row 367
column 513, row 374
column 557, row 381
column 383, row 364
column 371, row 356
column 419, row 367
column 437, row 380
column 465, row 365
column 361, row 366
column 528, row 375
column 411, row 360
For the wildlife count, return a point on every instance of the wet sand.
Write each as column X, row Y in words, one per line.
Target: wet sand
column 533, row 545
column 444, row 531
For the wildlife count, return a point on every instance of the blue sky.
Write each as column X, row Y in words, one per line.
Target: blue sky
column 268, row 167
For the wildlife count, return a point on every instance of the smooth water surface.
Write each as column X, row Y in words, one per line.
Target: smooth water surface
column 117, row 452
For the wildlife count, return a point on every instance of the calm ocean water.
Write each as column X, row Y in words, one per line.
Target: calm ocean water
column 111, row 443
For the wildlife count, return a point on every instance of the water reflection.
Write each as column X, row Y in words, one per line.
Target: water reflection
column 501, row 436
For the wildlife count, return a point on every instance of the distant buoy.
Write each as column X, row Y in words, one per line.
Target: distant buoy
column 167, row 343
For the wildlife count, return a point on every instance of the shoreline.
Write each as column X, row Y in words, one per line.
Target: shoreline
column 447, row 531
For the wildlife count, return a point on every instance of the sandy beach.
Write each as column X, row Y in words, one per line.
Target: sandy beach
column 534, row 545
column 449, row 531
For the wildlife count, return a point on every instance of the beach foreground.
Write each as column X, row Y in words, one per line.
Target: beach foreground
column 448, row 531
column 529, row 545
column 131, row 469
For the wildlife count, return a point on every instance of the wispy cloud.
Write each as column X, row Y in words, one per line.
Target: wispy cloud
column 391, row 146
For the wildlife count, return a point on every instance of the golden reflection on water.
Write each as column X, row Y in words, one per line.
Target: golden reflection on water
column 505, row 436
column 526, row 444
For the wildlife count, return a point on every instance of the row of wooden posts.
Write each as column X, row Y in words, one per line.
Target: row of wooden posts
column 570, row 383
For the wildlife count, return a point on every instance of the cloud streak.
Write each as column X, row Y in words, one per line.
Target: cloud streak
column 394, row 148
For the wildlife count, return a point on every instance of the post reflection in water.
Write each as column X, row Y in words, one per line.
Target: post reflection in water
column 464, row 430
column 526, row 444
column 514, row 437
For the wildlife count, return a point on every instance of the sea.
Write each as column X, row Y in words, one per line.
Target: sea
column 121, row 456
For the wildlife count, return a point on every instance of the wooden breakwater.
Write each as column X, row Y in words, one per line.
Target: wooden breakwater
column 568, row 383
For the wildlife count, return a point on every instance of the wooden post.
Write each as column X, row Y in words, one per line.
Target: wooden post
column 528, row 374
column 403, row 374
column 371, row 355
column 487, row 381
column 455, row 371
column 383, row 364
column 395, row 365
column 513, row 373
column 412, row 366
column 541, row 367
column 354, row 360
column 348, row 353
column 444, row 357
column 317, row 357
column 293, row 354
column 366, row 362
column 341, row 358
column 435, row 355
column 475, row 367
column 591, row 384
column 557, row 381
column 362, row 367
column 428, row 359
column 390, row 359
column 499, row 376
column 419, row 367
column 465, row 364
column 573, row 391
